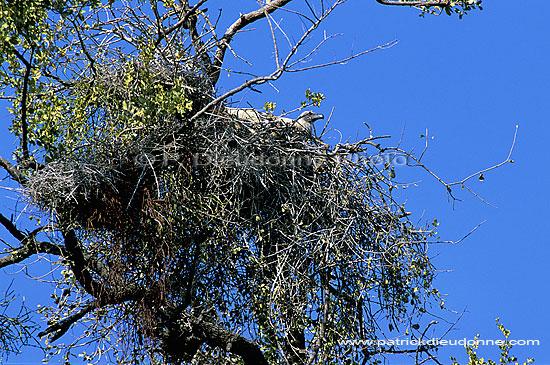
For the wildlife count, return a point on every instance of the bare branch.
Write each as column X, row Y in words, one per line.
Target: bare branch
column 343, row 60
column 61, row 327
column 282, row 67
column 29, row 246
column 83, row 47
column 479, row 197
column 180, row 23
column 24, row 127
column 469, row 233
column 243, row 21
column 447, row 185
column 198, row 45
column 274, row 38
column 79, row 265
column 442, row 3
column 15, row 232
column 492, row 167
column 28, row 249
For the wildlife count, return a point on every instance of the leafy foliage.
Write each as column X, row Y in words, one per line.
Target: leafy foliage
column 505, row 347
column 16, row 326
column 460, row 7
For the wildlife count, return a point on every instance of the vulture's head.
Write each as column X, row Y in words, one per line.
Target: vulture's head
column 306, row 120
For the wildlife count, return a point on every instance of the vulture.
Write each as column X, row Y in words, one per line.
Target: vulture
column 302, row 124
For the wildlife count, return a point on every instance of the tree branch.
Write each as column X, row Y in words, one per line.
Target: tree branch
column 275, row 74
column 243, row 21
column 80, row 264
column 184, row 327
column 29, row 246
column 14, row 231
column 61, row 327
column 13, row 171
column 24, row 127
column 342, row 60
column 443, row 3
column 448, row 186
column 190, row 23
column 28, row 249
column 180, row 23
column 102, row 294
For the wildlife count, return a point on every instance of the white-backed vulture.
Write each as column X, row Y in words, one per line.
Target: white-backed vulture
column 303, row 124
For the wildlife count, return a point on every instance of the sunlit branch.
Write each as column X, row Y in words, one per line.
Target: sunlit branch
column 243, row 21
column 442, row 3
column 275, row 74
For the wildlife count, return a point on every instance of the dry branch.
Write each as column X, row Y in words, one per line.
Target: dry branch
column 243, row 21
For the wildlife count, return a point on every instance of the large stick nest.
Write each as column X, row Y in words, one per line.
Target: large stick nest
column 221, row 201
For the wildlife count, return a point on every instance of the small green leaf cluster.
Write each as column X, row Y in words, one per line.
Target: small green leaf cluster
column 269, row 107
column 505, row 347
column 460, row 7
column 313, row 98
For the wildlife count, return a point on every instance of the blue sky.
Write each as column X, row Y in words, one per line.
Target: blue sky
column 468, row 82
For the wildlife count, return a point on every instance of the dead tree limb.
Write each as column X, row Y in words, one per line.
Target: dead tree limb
column 243, row 21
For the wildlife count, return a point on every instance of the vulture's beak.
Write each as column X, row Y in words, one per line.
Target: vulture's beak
column 316, row 116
